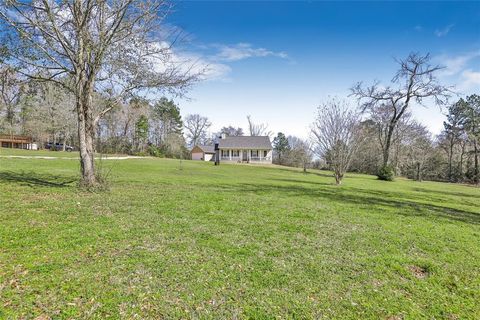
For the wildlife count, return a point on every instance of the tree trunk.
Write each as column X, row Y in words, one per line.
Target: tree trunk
column 419, row 173
column 64, row 142
column 388, row 142
column 86, row 134
column 450, row 160
column 476, row 179
column 338, row 178
column 462, row 154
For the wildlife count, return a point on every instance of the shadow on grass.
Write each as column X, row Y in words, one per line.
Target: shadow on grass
column 299, row 171
column 315, row 183
column 33, row 179
column 369, row 198
column 450, row 193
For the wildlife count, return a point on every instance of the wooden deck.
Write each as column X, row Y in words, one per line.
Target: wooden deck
column 15, row 141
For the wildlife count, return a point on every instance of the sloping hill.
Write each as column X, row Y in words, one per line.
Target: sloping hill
column 184, row 239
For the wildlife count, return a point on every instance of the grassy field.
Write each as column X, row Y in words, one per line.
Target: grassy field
column 187, row 239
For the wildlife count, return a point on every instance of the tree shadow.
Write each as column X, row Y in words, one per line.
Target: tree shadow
column 450, row 193
column 33, row 179
column 370, row 198
column 298, row 170
column 316, row 183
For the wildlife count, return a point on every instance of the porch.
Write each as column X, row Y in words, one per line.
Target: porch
column 246, row 155
column 15, row 141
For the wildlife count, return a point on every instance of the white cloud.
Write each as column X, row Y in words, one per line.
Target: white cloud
column 217, row 71
column 443, row 32
column 242, row 51
column 461, row 71
column 211, row 60
column 214, row 64
column 470, row 80
column 455, row 64
column 191, row 62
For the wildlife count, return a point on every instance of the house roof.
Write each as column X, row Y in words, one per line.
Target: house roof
column 207, row 149
column 245, row 142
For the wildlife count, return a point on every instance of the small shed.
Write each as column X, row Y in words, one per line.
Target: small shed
column 203, row 153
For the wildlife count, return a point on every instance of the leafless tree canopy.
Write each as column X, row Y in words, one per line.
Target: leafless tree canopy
column 300, row 153
column 258, row 129
column 196, row 128
column 11, row 90
column 414, row 82
column 115, row 47
column 335, row 135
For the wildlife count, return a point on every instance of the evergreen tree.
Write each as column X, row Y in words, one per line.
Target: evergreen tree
column 166, row 120
column 280, row 145
column 452, row 134
column 470, row 110
column 141, row 132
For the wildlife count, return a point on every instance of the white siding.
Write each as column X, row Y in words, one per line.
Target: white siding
column 208, row 156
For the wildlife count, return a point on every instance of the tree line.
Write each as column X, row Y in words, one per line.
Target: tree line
column 85, row 73
column 379, row 136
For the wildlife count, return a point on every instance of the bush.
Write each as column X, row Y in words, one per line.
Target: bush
column 154, row 151
column 386, row 173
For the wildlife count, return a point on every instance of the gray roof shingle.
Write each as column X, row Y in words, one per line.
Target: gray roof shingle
column 207, row 149
column 245, row 142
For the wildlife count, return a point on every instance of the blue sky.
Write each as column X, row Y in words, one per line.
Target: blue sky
column 277, row 61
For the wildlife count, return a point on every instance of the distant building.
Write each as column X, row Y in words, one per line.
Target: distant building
column 246, row 149
column 205, row 153
column 17, row 142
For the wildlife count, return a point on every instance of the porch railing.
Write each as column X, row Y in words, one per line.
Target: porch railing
column 240, row 158
column 232, row 158
column 260, row 159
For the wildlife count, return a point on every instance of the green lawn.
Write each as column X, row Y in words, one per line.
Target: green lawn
column 187, row 239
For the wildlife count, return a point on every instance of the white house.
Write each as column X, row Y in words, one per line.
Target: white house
column 239, row 149
column 245, row 149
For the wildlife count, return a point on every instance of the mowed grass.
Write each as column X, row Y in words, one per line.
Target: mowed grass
column 185, row 239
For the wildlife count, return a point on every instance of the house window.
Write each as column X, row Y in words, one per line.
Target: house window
column 224, row 153
column 235, row 153
column 254, row 153
column 265, row 152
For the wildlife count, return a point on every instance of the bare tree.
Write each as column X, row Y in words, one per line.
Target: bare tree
column 55, row 108
column 300, row 153
column 414, row 82
column 117, row 47
column 335, row 135
column 418, row 145
column 230, row 131
column 11, row 90
column 196, row 128
column 258, row 129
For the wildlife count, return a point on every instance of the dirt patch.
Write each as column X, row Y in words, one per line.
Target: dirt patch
column 418, row 272
column 394, row 318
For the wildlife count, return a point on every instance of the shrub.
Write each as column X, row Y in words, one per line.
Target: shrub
column 386, row 173
column 154, row 151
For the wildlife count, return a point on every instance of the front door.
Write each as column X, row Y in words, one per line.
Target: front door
column 244, row 155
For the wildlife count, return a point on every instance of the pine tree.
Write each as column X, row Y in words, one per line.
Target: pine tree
column 280, row 145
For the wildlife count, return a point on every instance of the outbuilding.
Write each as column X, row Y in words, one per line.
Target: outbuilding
column 17, row 142
column 203, row 153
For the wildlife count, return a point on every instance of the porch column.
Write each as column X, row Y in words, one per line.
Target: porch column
column 230, row 154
